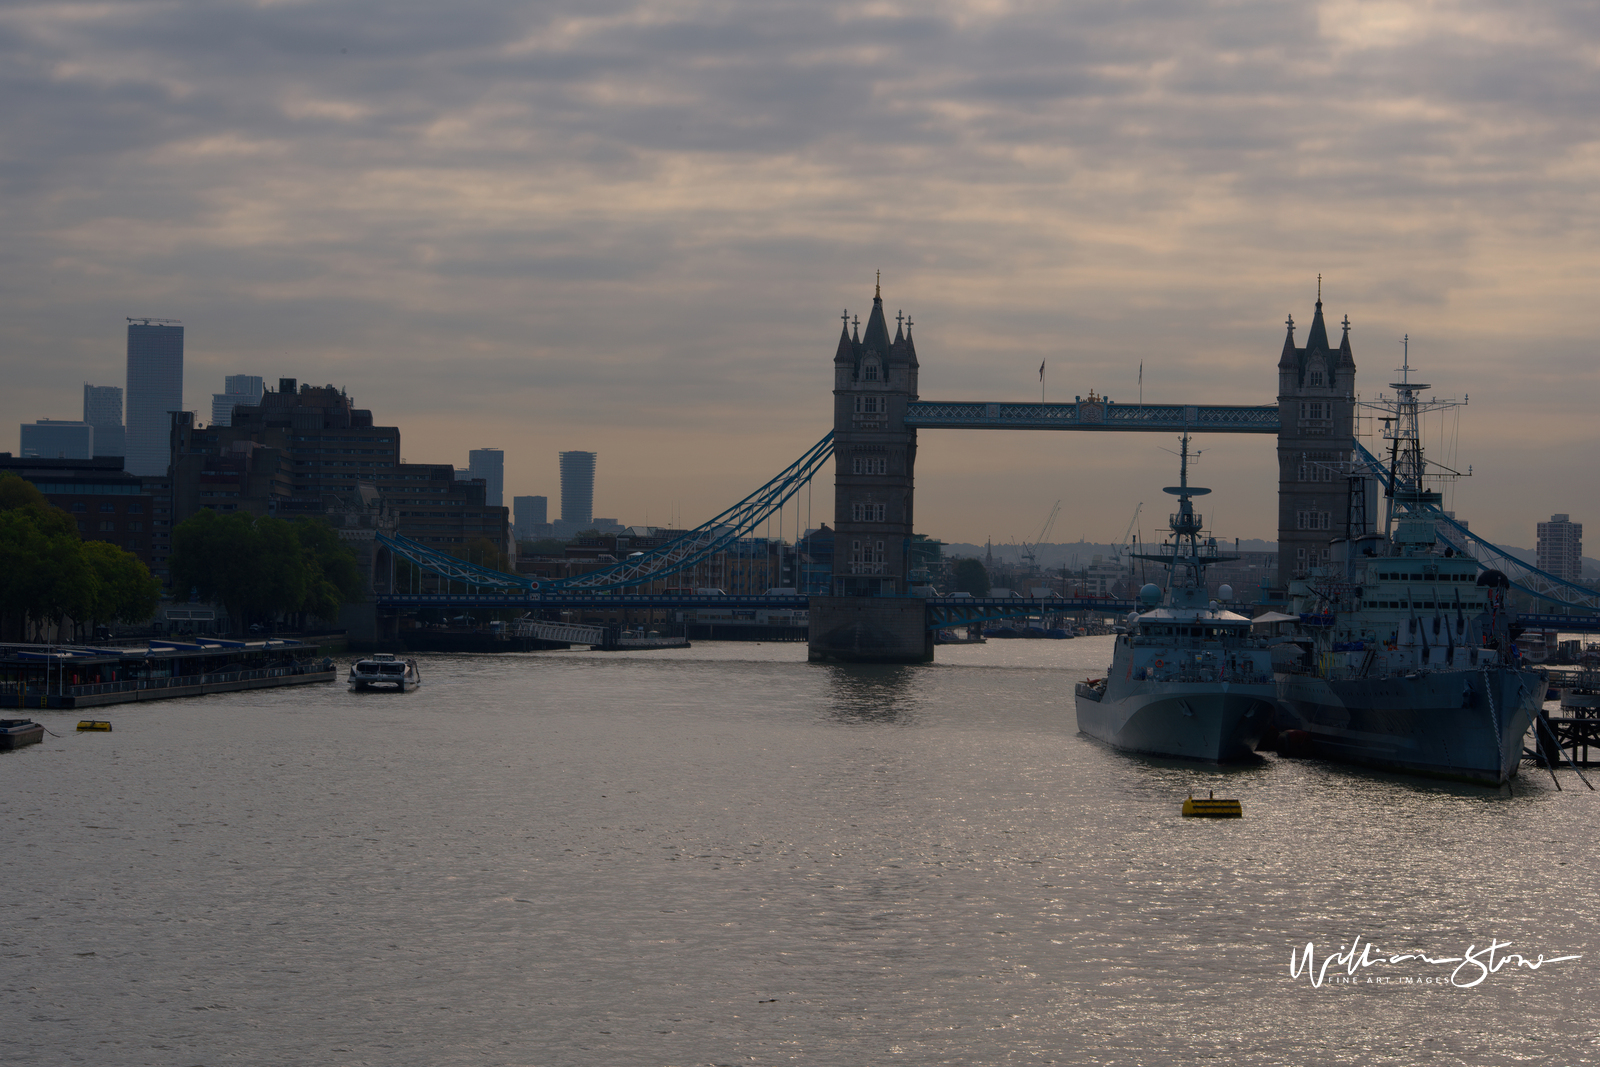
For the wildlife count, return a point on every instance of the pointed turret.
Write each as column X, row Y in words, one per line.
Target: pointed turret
column 1317, row 338
column 846, row 352
column 1346, row 360
column 876, row 338
column 1289, row 359
column 911, row 346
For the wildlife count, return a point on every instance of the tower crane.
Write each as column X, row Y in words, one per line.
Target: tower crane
column 1122, row 545
column 1030, row 552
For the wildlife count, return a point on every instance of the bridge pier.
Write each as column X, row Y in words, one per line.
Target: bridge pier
column 860, row 629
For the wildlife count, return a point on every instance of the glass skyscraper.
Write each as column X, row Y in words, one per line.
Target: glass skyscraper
column 490, row 465
column 102, row 409
column 577, row 487
column 155, row 390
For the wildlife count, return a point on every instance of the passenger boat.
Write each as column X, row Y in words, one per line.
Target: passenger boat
column 1407, row 661
column 14, row 733
column 384, row 670
column 1187, row 678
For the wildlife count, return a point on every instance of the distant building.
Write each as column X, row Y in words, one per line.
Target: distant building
column 577, row 487
column 307, row 449
column 58, row 439
column 102, row 409
column 490, row 465
column 155, row 390
column 237, row 389
column 528, row 512
column 1561, row 548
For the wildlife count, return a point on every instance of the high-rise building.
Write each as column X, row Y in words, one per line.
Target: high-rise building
column 577, row 487
column 155, row 390
column 490, row 465
column 58, row 439
column 102, row 409
column 528, row 512
column 237, row 389
column 1561, row 548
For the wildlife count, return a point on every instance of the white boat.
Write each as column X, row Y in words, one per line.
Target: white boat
column 384, row 670
column 1187, row 678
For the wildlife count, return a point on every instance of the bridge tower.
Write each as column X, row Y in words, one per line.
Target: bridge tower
column 874, row 455
column 1316, row 425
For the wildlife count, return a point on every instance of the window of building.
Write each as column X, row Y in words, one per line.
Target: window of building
column 869, row 465
column 1316, row 377
column 870, row 405
column 135, row 507
column 80, row 506
column 869, row 371
column 107, row 527
column 867, row 512
column 108, row 508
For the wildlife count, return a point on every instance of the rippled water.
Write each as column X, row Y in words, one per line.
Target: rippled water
column 726, row 855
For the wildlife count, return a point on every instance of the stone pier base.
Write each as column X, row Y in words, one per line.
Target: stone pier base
column 864, row 629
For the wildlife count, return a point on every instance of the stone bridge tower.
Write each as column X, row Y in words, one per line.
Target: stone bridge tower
column 1316, row 424
column 874, row 456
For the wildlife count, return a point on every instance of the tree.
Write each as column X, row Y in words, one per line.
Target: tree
column 334, row 577
column 259, row 568
column 43, row 573
column 48, row 572
column 971, row 577
column 125, row 590
column 548, row 546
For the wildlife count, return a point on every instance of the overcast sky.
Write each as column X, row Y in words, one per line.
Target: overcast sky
column 630, row 227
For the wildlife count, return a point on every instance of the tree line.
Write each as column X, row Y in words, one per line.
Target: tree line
column 49, row 574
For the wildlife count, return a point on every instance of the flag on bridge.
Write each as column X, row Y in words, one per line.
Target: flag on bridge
column 1041, row 370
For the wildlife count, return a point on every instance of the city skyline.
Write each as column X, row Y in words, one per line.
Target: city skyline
column 558, row 225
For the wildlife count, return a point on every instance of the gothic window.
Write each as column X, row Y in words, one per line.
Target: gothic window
column 1316, row 377
column 869, row 465
column 867, row 512
column 869, row 371
column 870, row 405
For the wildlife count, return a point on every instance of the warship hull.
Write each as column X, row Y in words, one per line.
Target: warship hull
column 1463, row 725
column 1215, row 721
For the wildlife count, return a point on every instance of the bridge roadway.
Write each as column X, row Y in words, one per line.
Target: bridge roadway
column 943, row 612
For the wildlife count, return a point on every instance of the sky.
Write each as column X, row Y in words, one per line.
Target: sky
column 631, row 227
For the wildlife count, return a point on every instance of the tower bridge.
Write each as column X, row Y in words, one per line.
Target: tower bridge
column 1327, row 487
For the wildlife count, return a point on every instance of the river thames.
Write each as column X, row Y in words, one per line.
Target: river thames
column 726, row 855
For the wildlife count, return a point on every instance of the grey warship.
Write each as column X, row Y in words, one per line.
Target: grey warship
column 1407, row 660
column 1188, row 679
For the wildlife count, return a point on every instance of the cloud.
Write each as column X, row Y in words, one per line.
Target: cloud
column 635, row 222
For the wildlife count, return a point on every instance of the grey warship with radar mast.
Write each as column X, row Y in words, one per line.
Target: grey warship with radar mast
column 1407, row 660
column 1188, row 679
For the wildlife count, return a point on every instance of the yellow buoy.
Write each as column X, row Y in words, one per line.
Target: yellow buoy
column 94, row 724
column 1212, row 808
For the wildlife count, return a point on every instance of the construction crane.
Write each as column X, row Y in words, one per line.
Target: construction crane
column 1121, row 546
column 1030, row 552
